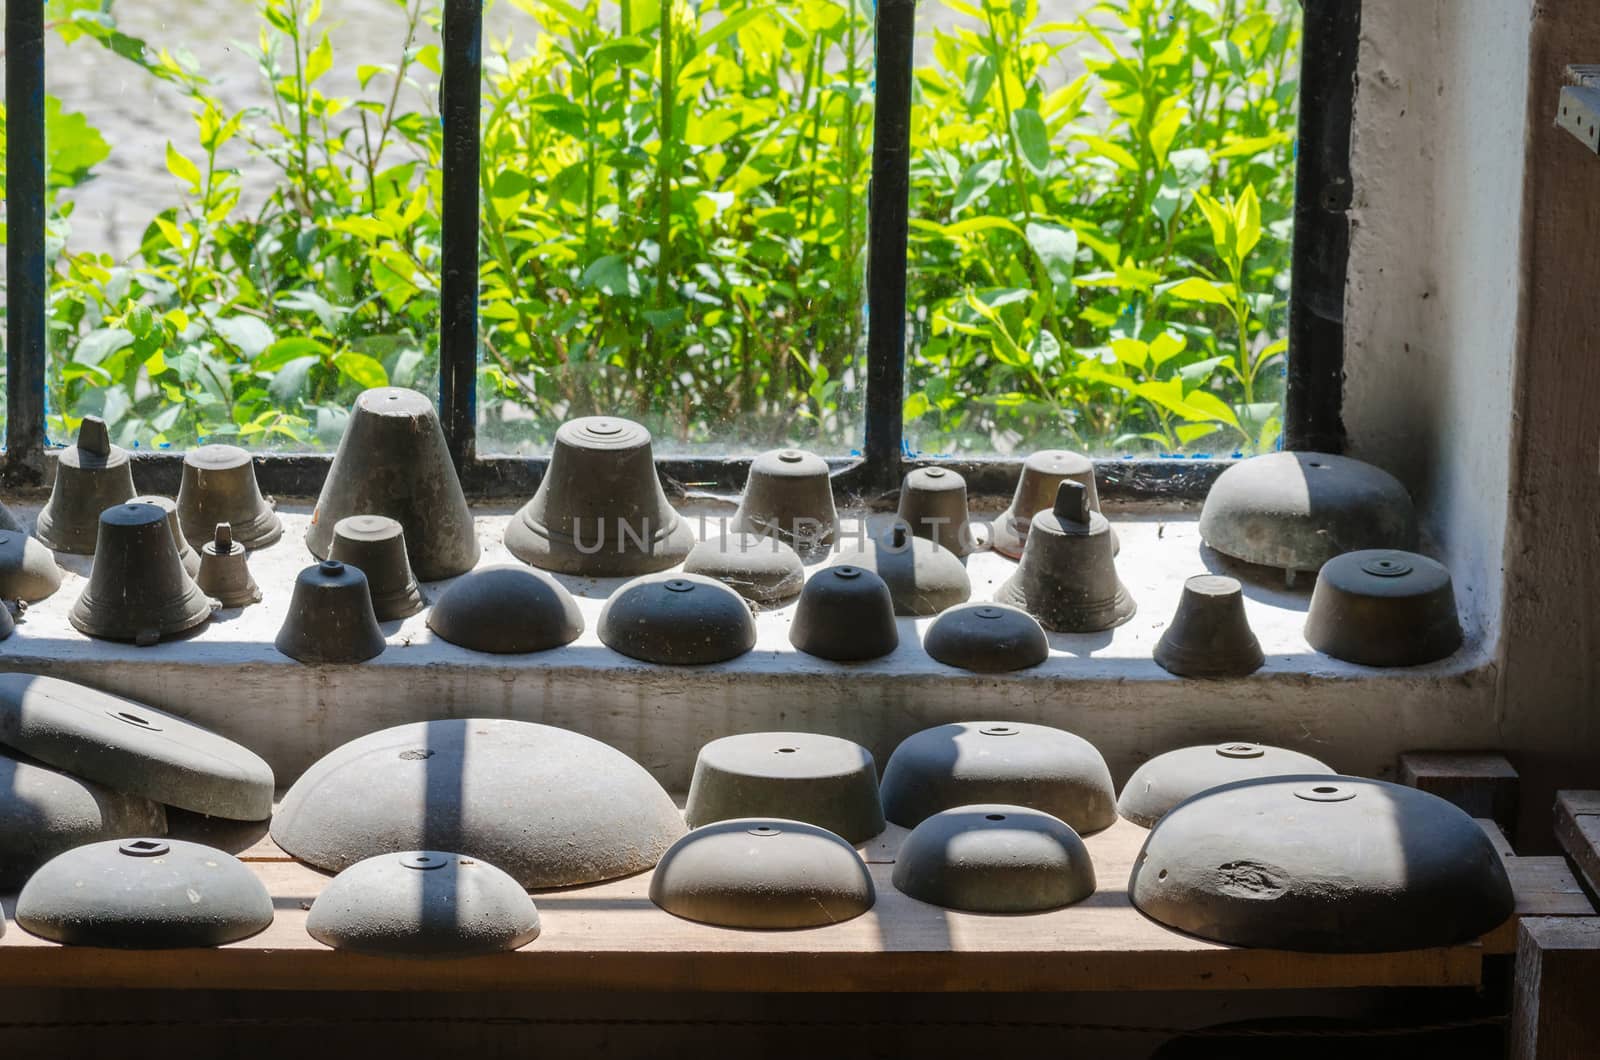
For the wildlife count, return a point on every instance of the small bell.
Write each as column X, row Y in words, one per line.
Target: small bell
column 923, row 578
column 789, row 495
column 91, row 476
column 219, row 486
column 225, row 572
column 994, row 858
column 506, row 610
column 677, row 620
column 1380, row 607
column 330, row 618
column 1210, row 636
column 933, row 502
column 1067, row 578
column 763, row 570
column 1042, row 476
column 845, row 614
column 377, row 546
column 987, row 639
column 27, row 569
column 189, row 557
column 799, row 776
column 138, row 589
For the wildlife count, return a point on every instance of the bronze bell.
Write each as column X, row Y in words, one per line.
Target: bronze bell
column 219, row 486
column 1042, row 475
column 789, row 495
column 90, row 477
column 933, row 502
column 138, row 589
column 376, row 545
column 600, row 510
column 1067, row 578
column 1384, row 607
column 224, row 571
column 330, row 617
column 1210, row 636
column 28, row 570
column 393, row 461
column 188, row 556
column 845, row 614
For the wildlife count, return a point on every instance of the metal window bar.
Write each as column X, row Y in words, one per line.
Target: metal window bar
column 1319, row 259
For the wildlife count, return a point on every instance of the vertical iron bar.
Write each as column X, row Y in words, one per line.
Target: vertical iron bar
column 26, row 282
column 460, row 99
column 1315, row 384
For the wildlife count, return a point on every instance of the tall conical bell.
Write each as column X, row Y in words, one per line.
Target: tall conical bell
column 933, row 502
column 1068, row 578
column 376, row 545
column 789, row 495
column 1210, row 636
column 1042, row 475
column 28, row 571
column 189, row 557
column 393, row 461
column 600, row 509
column 138, row 589
column 90, row 477
column 330, row 617
column 225, row 572
column 219, row 486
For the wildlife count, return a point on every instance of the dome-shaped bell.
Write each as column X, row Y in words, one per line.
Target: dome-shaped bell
column 1068, row 578
column 788, row 494
column 219, row 486
column 393, row 461
column 800, row 776
column 91, row 476
column 933, row 502
column 994, row 858
column 600, row 510
column 677, row 620
column 763, row 570
column 330, row 617
column 506, row 610
column 375, row 545
column 138, row 589
column 27, row 569
column 1042, row 476
column 1384, row 608
column 1168, row 779
column 1210, row 636
column 923, row 578
column 8, row 622
column 987, row 638
column 186, row 555
column 845, row 614
column 225, row 571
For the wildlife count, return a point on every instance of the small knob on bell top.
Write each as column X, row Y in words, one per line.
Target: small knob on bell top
column 223, row 539
column 93, row 436
column 1072, row 502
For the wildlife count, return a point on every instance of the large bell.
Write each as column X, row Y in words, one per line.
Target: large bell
column 994, row 858
column 933, row 502
column 186, row 555
column 1210, row 636
column 845, row 614
column 225, row 572
column 330, row 617
column 138, row 589
column 1068, row 577
column 600, row 510
column 923, row 577
column 789, row 495
column 1380, row 607
column 1042, row 476
column 375, row 545
column 987, row 638
column 799, row 776
column 91, row 476
column 27, row 569
column 506, row 610
column 393, row 461
column 1168, row 779
column 219, row 486
column 677, row 620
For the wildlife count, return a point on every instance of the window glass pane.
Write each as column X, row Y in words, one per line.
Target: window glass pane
column 675, row 223
column 247, row 229
column 1102, row 209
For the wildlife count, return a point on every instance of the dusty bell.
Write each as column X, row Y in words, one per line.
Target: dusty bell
column 506, row 609
column 923, row 578
column 600, row 510
column 376, row 545
column 987, row 638
column 845, row 614
column 330, row 617
column 1380, row 607
column 677, row 620
column 393, row 461
column 994, row 858
column 1210, row 636
column 763, row 570
column 933, row 502
column 1068, row 578
column 799, row 776
column 138, row 589
column 789, row 495
column 8, row 621
column 189, row 557
column 225, row 571
column 1042, row 476
column 219, row 486
column 1168, row 779
column 28, row 571
column 91, row 476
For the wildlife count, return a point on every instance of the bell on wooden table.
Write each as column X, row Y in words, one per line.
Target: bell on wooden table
column 225, row 571
column 1068, row 578
column 219, row 486
column 677, row 620
column 330, row 617
column 763, row 570
column 1168, row 779
column 1042, row 476
column 186, row 555
column 789, row 495
column 933, row 503
column 506, row 610
column 845, row 614
column 1210, row 636
column 799, row 776
column 923, row 578
column 994, row 858
column 987, row 638
column 138, row 589
column 28, row 571
column 376, row 546
column 91, row 476
column 1380, row 607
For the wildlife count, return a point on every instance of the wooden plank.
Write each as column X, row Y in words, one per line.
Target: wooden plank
column 1553, row 1014
column 1577, row 825
column 1545, row 887
column 1482, row 783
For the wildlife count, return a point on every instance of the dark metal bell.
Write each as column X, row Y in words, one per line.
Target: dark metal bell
column 987, row 638
column 393, row 461
column 219, row 486
column 677, row 620
column 1042, row 476
column 27, row 569
column 91, row 476
column 1380, row 607
column 994, row 858
column 1068, row 578
column 225, row 571
column 138, row 589
column 8, row 622
column 377, row 546
column 1210, row 636
column 330, row 617
column 798, row 776
column 506, row 610
column 845, row 614
column 933, row 502
column 189, row 557
column 789, row 495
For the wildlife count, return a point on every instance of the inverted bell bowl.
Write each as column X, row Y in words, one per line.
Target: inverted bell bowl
column 845, row 614
column 800, row 776
column 506, row 610
column 677, row 620
column 763, row 570
column 1168, row 779
column 987, row 638
column 923, row 578
column 1381, row 607
column 27, row 569
column 994, row 858
column 1322, row 864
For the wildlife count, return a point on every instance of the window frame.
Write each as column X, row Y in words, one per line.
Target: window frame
column 1314, row 376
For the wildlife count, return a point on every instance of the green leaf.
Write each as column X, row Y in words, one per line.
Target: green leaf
column 1115, row 152
column 1057, row 248
column 1247, row 221
column 612, row 275
column 976, row 183
column 250, row 335
column 290, row 380
column 320, row 61
column 1131, row 352
column 182, row 168
column 1195, row 289
column 1166, row 346
column 361, row 370
column 977, row 83
column 1032, row 138
column 100, row 344
column 283, row 351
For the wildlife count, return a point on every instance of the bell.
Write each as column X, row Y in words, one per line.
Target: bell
column 799, row 776
column 224, row 571
column 188, row 556
column 994, row 858
column 376, row 546
column 789, row 495
column 933, row 502
column 9, row 520
column 1296, row 511
column 845, row 614
column 1042, row 476
column 1067, row 578
column 677, row 620
column 393, row 461
column 1168, row 779
column 1210, row 636
column 330, row 617
column 8, row 622
column 28, row 571
column 987, row 639
column 506, row 610
column 763, row 570
column 90, row 477
column 138, row 589
column 1384, row 608
column 923, row 578
column 600, row 510
column 219, row 486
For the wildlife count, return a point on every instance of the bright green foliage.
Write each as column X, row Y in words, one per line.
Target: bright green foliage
column 674, row 228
